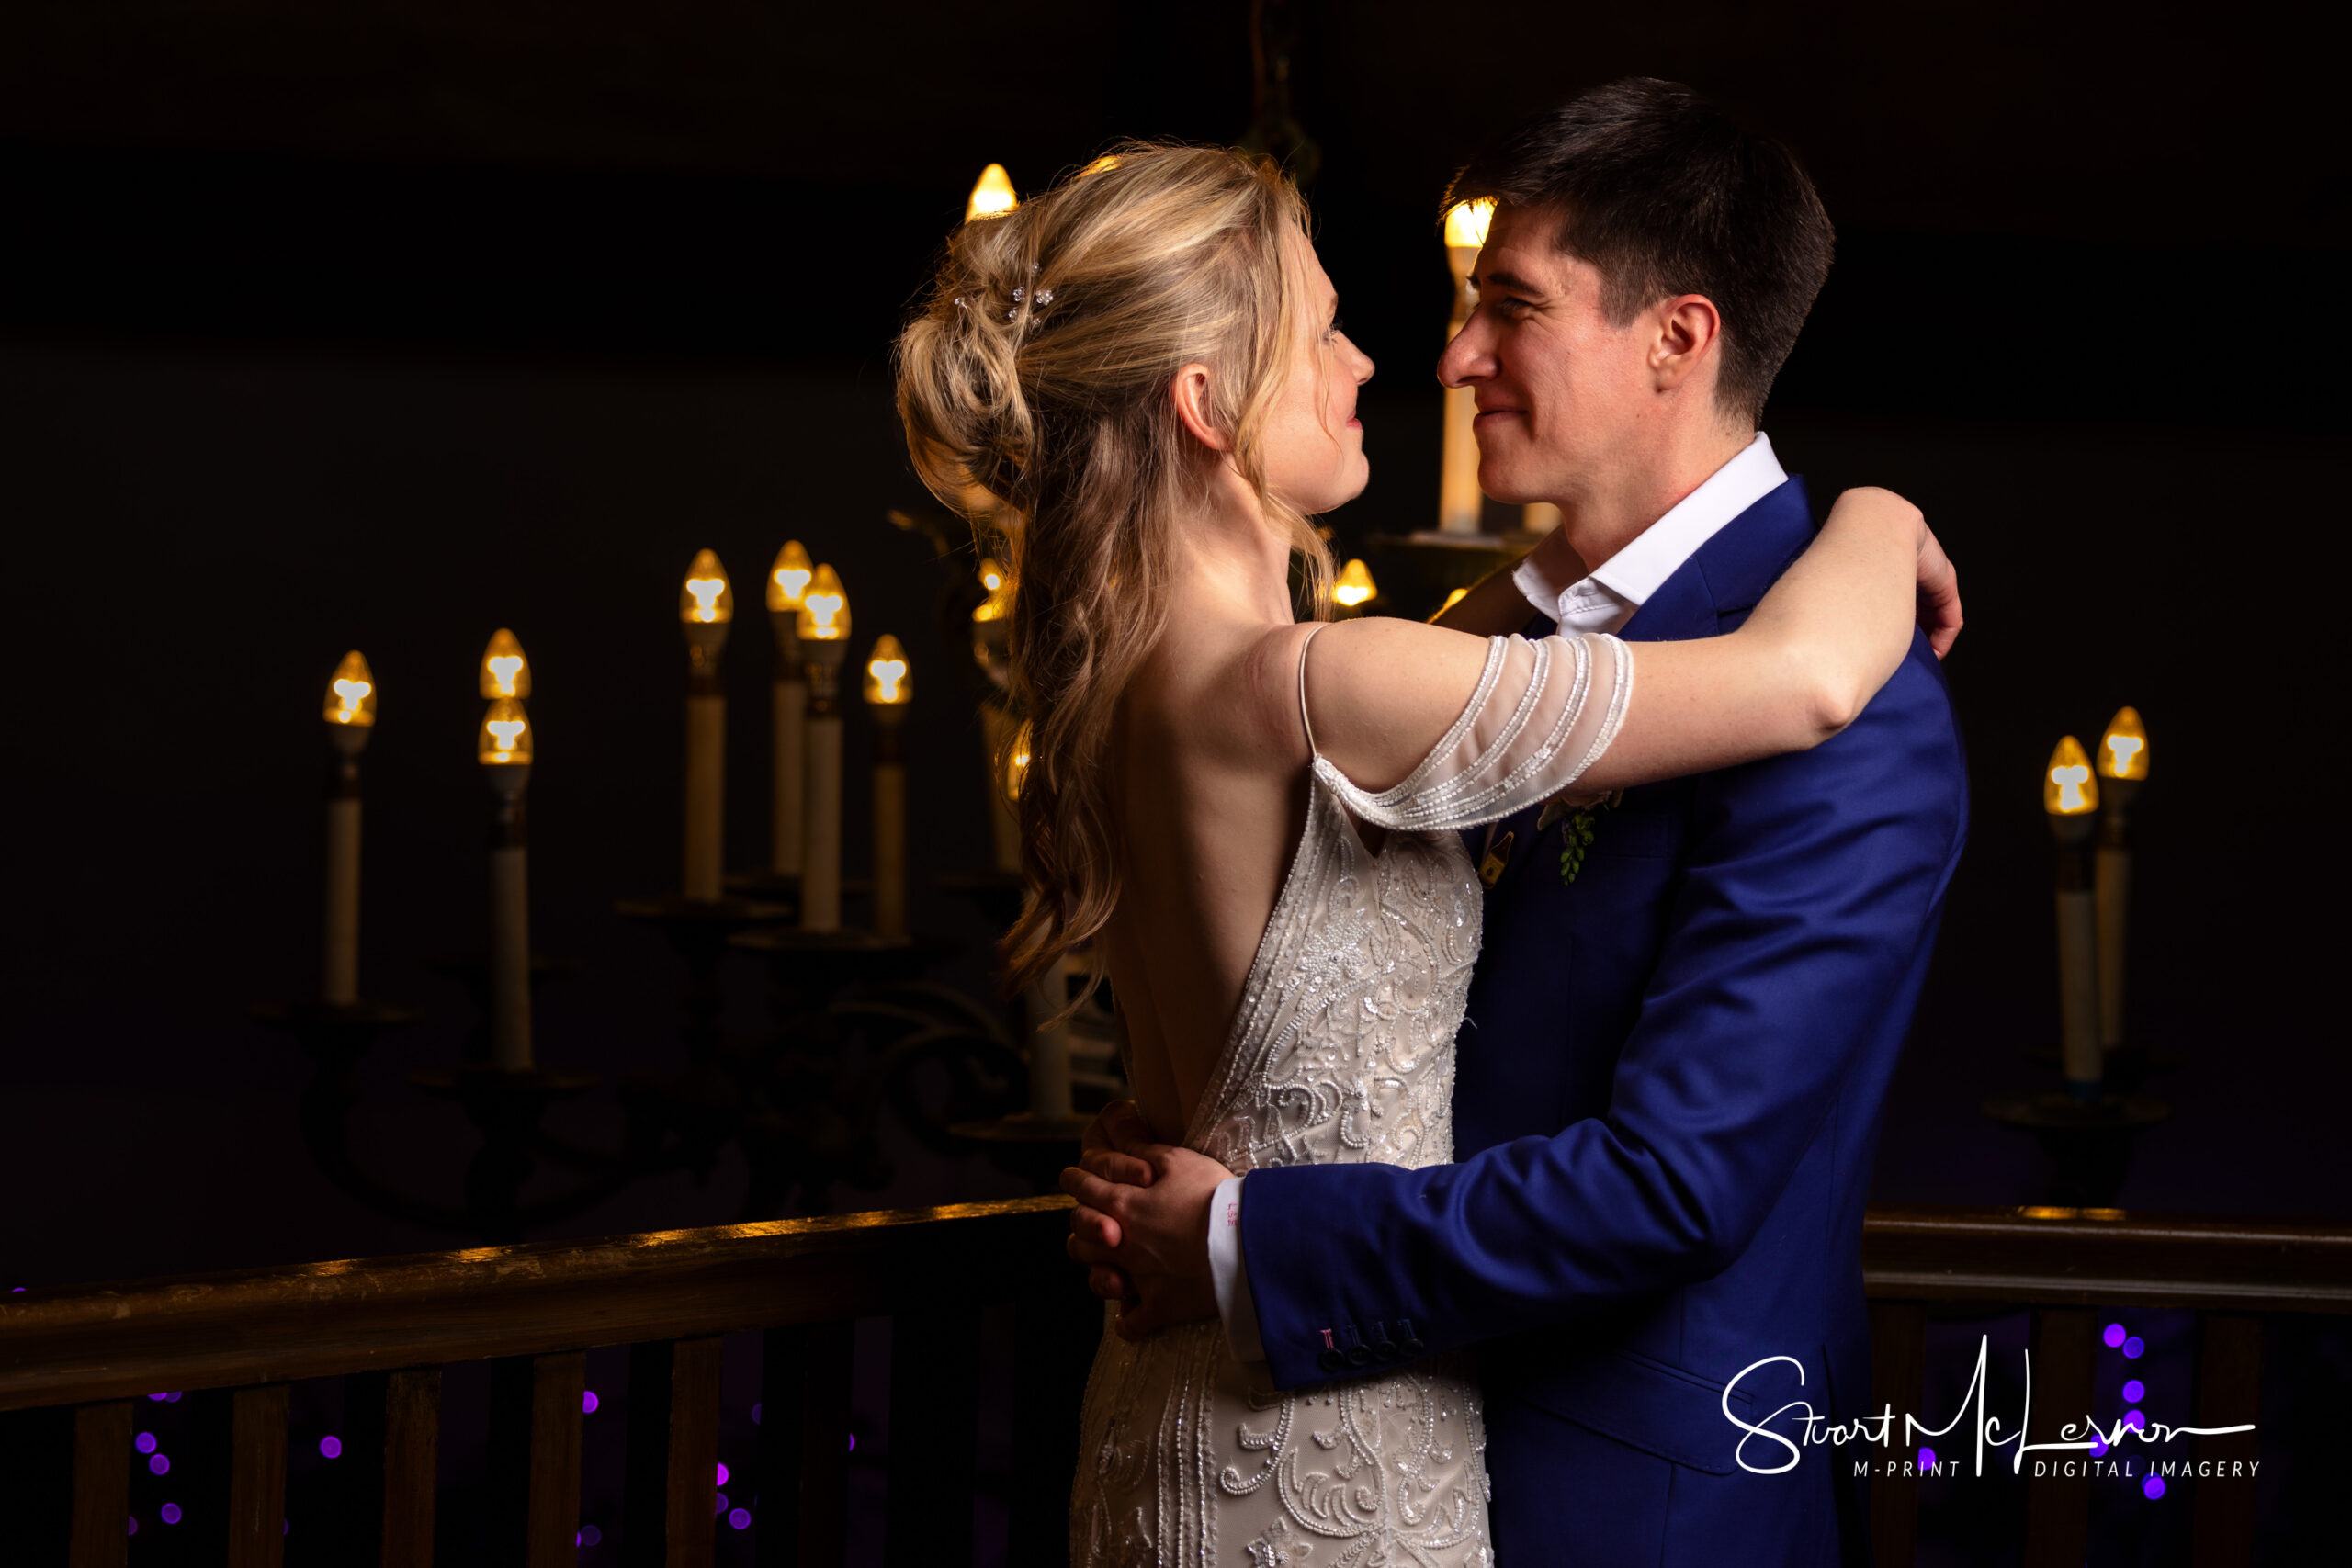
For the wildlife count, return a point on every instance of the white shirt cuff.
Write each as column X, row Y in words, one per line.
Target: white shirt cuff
column 1232, row 1279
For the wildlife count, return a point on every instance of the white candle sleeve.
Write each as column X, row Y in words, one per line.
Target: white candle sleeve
column 339, row 960
column 820, row 868
column 510, row 957
column 787, row 829
column 706, row 794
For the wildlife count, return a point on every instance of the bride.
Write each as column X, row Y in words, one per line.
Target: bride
column 1255, row 819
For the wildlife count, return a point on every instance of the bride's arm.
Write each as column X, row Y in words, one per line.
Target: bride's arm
column 1813, row 653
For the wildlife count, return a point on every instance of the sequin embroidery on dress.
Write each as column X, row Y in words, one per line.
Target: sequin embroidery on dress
column 1342, row 1050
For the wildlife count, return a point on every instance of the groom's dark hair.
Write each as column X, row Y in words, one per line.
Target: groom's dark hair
column 1665, row 194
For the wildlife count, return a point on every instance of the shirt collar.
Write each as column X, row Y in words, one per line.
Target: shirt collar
column 1635, row 573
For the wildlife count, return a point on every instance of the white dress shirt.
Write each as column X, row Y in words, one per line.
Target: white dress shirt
column 1602, row 600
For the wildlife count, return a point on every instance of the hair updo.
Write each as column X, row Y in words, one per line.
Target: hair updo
column 1034, row 385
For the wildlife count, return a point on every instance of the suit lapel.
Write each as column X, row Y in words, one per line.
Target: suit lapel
column 1731, row 571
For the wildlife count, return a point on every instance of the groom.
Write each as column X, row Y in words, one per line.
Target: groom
column 1690, row 999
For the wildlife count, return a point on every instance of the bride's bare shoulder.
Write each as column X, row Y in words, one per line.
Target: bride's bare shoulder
column 1380, row 690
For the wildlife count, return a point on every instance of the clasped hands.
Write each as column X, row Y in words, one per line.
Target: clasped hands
column 1142, row 1222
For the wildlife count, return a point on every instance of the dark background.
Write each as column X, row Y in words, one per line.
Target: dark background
column 385, row 325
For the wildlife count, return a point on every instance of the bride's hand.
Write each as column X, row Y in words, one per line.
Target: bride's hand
column 1158, row 1236
column 1938, row 593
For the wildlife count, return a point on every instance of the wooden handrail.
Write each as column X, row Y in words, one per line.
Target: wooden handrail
column 315, row 1320
column 118, row 1341
column 2106, row 1257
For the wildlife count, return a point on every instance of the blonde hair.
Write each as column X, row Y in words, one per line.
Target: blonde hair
column 1039, row 372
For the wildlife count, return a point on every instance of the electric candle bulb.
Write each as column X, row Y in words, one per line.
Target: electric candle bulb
column 788, row 578
column 505, row 672
column 993, row 575
column 824, row 608
column 886, row 681
column 505, row 738
column 2123, row 750
column 1466, row 226
column 706, row 599
column 1354, row 585
column 351, row 694
column 992, row 194
column 1453, row 598
column 2069, row 788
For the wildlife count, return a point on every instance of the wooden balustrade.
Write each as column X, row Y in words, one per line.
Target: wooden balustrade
column 387, row 1326
column 2061, row 1263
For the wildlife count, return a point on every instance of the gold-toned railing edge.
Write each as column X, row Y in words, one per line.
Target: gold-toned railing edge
column 116, row 1341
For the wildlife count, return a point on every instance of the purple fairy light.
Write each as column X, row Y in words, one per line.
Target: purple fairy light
column 161, row 1464
column 134, row 1526
column 1927, row 1458
column 853, row 1442
column 2113, row 1335
column 722, row 1473
column 2154, row 1487
column 2136, row 1420
column 588, row 1401
column 739, row 1519
column 144, row 1442
column 172, row 1398
column 2134, row 1346
column 331, row 1446
column 722, row 1503
column 159, row 1398
column 171, row 1513
column 755, row 1415
column 589, row 1534
column 2098, row 1446
column 2134, row 1392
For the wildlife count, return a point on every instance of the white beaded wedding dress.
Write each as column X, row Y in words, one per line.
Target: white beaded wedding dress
column 1342, row 1050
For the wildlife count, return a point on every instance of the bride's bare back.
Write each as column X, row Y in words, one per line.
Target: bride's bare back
column 1208, row 770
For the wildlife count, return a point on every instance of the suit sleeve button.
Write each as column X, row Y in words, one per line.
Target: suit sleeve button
column 1331, row 1361
column 1385, row 1350
column 1359, row 1355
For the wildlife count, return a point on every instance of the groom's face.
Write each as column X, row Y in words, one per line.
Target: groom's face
column 1562, row 391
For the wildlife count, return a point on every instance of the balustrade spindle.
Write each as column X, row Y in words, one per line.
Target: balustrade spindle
column 102, row 1485
column 804, row 1444
column 671, row 1483
column 935, row 1436
column 2229, row 1392
column 1898, row 1383
column 2058, row 1507
column 412, row 1446
column 257, row 1477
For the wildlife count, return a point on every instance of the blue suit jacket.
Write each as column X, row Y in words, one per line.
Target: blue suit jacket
column 1665, row 1108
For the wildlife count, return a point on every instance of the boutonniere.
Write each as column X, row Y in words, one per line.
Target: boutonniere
column 1582, row 810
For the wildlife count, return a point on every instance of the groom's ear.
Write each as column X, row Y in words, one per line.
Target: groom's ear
column 1190, row 394
column 1686, row 339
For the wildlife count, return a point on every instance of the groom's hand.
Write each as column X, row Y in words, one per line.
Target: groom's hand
column 1154, row 1235
column 1939, row 614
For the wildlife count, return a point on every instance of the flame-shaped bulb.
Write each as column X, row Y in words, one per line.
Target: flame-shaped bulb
column 351, row 693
